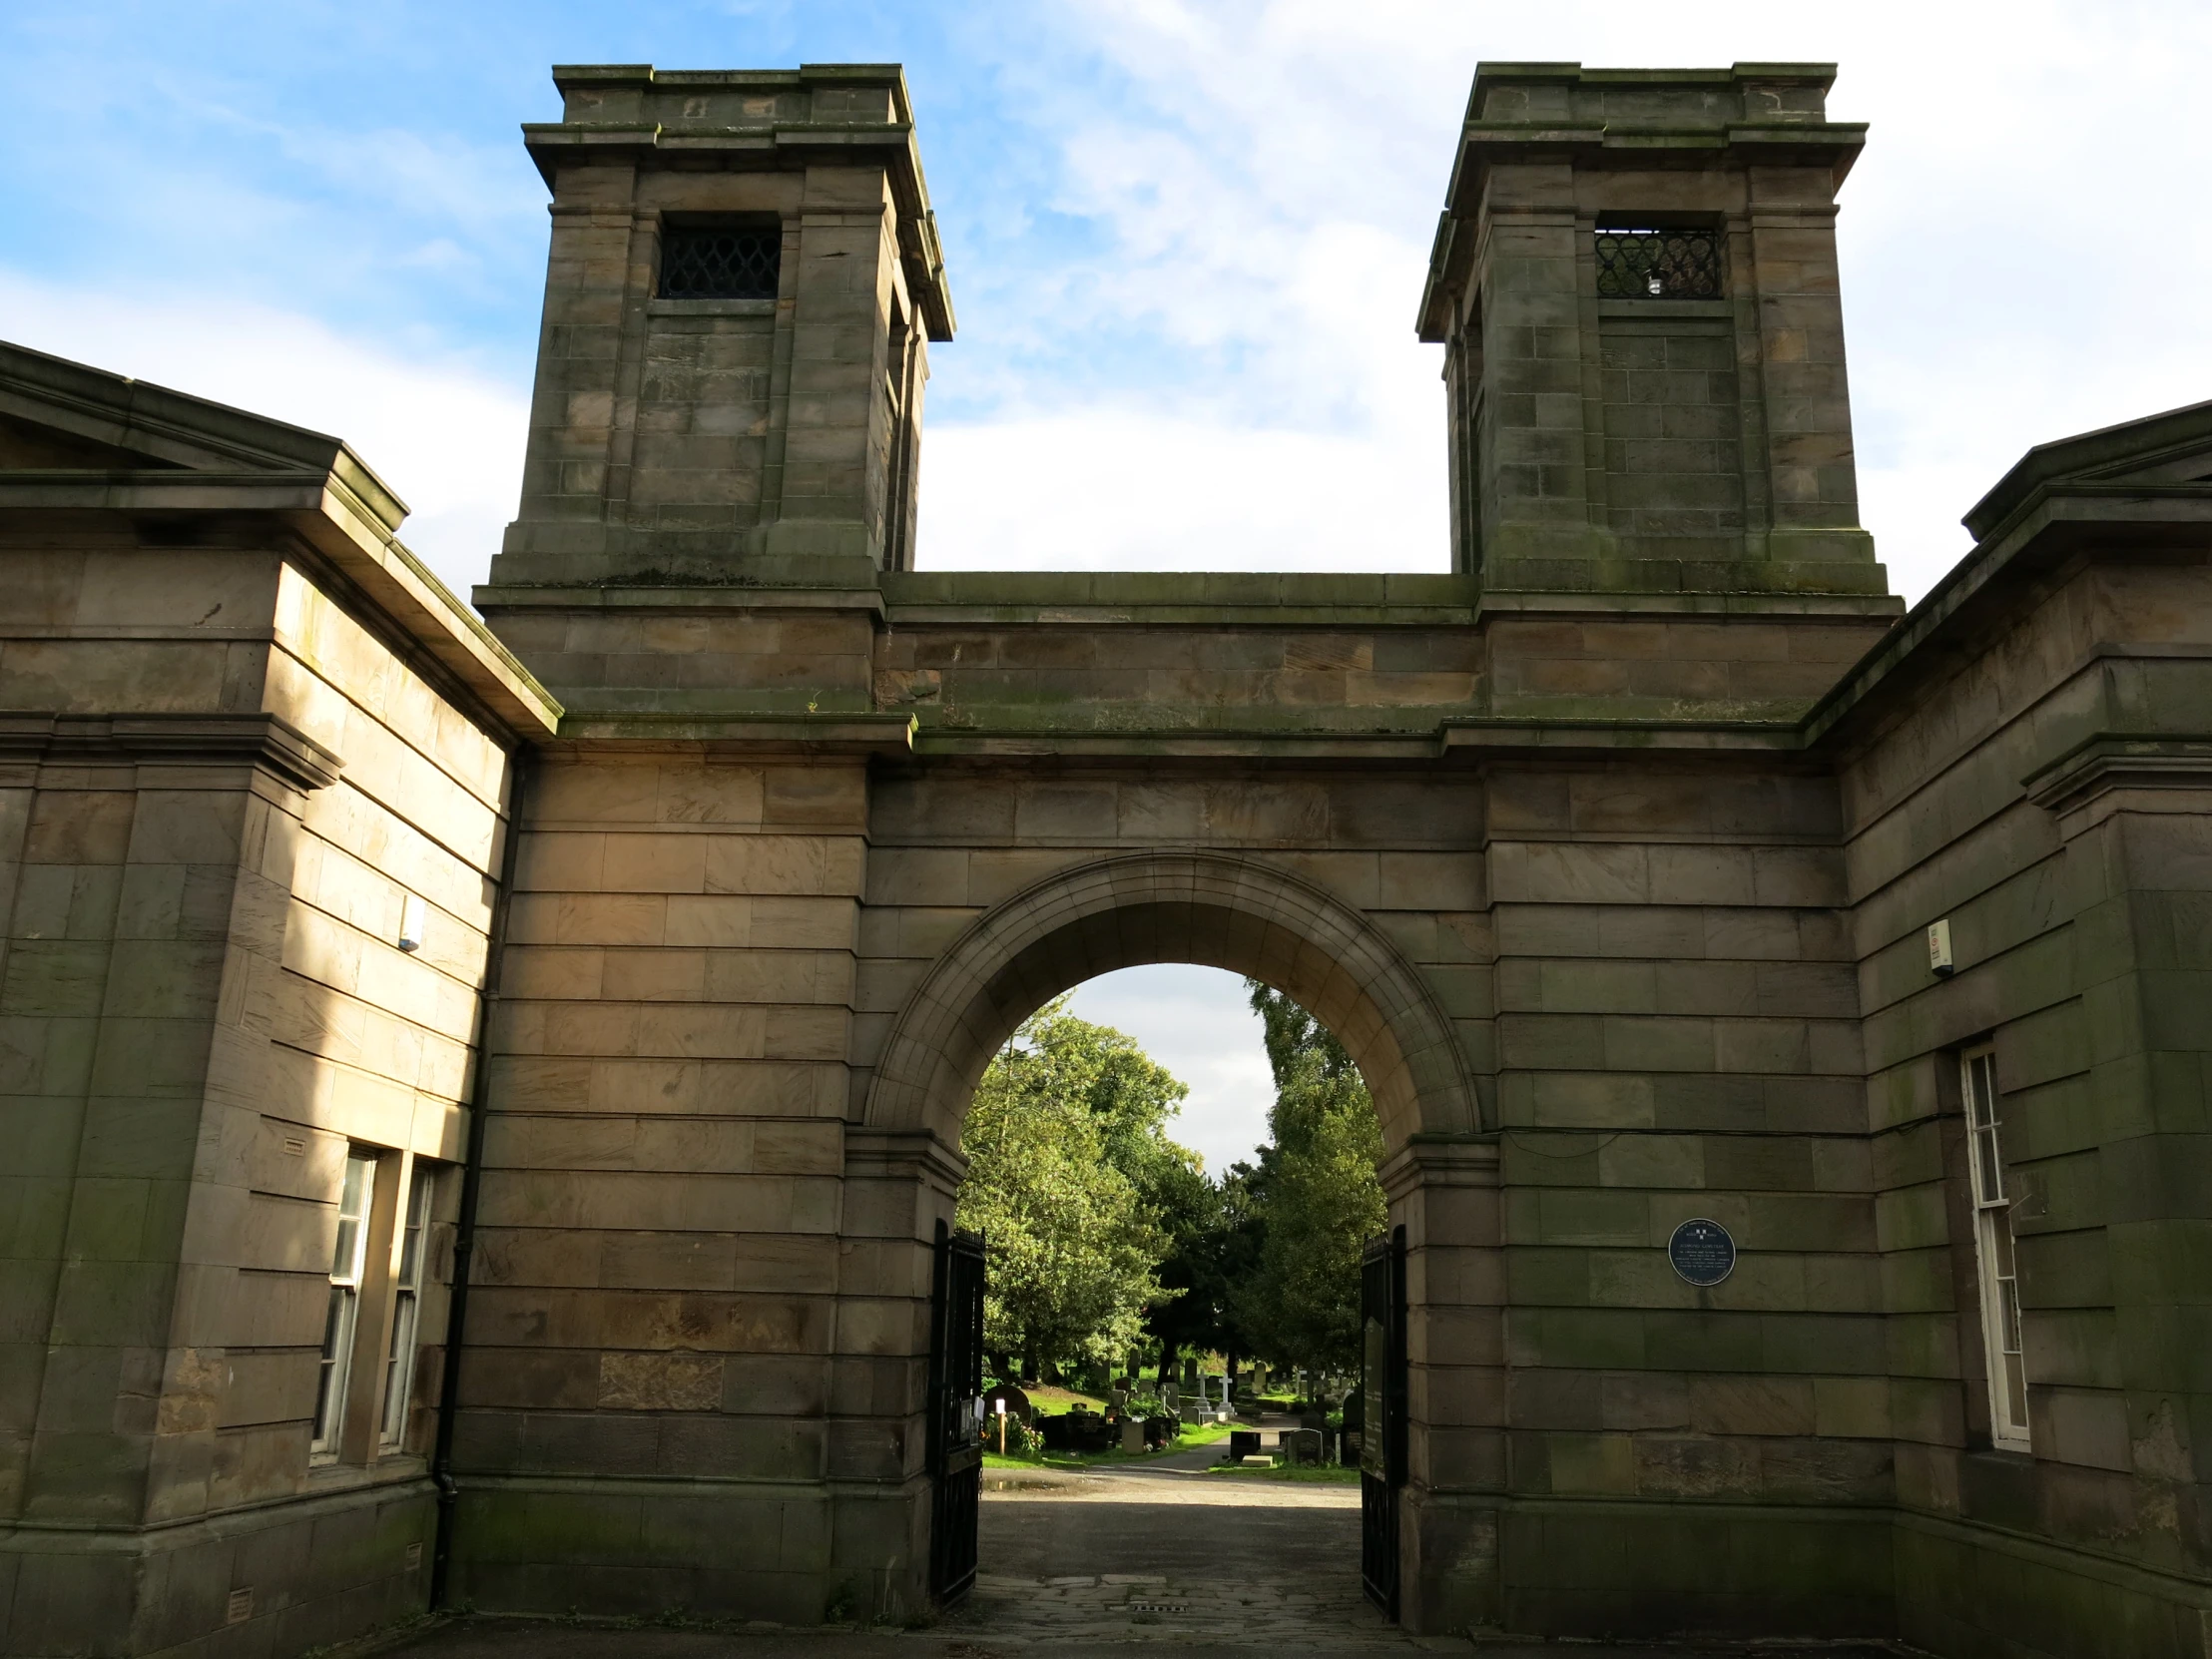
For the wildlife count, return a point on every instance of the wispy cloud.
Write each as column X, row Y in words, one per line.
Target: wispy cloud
column 1197, row 1023
column 1256, row 182
column 447, row 438
column 1187, row 237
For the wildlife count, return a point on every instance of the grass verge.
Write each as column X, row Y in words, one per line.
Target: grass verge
column 1312, row 1474
column 1197, row 1435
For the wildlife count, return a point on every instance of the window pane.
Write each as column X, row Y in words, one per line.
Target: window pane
column 338, row 1340
column 353, row 1196
column 419, row 1217
column 347, row 1247
column 399, row 1373
column 351, row 1240
column 408, row 1307
column 1982, row 1091
column 1995, row 1257
column 346, row 1273
column 1991, row 1171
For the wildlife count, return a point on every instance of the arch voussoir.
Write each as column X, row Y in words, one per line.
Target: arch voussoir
column 1230, row 912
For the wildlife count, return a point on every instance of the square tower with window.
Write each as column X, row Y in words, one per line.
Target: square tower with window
column 1635, row 283
column 744, row 271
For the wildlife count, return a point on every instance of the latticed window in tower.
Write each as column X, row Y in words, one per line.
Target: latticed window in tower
column 1658, row 264
column 719, row 261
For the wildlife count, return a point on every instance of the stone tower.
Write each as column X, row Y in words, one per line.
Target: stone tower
column 744, row 271
column 1635, row 283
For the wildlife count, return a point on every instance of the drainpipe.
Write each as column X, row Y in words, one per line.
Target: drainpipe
column 472, row 1177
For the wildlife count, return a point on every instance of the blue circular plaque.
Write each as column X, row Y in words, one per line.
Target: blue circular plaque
column 1702, row 1252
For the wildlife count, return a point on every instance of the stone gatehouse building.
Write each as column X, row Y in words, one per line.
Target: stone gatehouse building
column 480, row 1093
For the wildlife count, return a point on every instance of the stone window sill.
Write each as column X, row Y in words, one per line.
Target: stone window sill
column 389, row 1468
column 709, row 307
column 1666, row 307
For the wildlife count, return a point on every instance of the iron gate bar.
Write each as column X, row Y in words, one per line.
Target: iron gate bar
column 955, row 1427
column 1384, row 1442
column 1658, row 264
column 721, row 261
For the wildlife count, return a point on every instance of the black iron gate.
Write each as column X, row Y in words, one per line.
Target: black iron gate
column 955, row 1411
column 1382, row 1437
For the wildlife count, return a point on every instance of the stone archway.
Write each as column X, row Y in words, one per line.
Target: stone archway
column 1214, row 910
column 1247, row 916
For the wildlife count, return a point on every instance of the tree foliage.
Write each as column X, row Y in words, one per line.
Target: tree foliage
column 1317, row 1195
column 1070, row 1177
column 1102, row 1230
column 1213, row 1233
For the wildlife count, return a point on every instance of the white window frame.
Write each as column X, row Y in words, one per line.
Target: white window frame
column 1996, row 1255
column 406, row 1311
column 348, row 1258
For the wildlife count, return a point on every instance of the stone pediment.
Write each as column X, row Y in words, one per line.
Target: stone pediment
column 2165, row 454
column 79, row 445
column 59, row 418
column 28, row 445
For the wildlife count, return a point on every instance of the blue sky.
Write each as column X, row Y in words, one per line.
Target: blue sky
column 1185, row 240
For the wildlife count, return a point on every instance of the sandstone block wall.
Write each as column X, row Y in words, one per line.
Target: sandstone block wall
column 237, row 783
column 658, row 1306
column 2070, row 903
column 1678, row 1037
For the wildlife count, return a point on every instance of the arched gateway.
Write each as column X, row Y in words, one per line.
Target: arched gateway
column 1784, row 1011
column 1217, row 910
column 1243, row 914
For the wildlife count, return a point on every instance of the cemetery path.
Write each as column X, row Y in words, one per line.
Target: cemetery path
column 1170, row 1552
column 1163, row 1553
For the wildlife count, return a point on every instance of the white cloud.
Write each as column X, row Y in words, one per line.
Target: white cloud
column 447, row 438
column 1197, row 1023
column 1264, row 176
column 1215, row 369
column 1123, row 489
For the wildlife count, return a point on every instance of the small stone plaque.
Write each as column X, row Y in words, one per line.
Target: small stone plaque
column 1702, row 1252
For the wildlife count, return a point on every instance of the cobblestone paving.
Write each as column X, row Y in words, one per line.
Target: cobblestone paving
column 1173, row 1611
column 1165, row 1554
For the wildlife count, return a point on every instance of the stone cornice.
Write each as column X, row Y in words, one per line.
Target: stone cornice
column 1747, row 114
column 707, row 732
column 327, row 511
column 2121, row 761
column 1430, row 1160
column 874, row 1153
column 2050, row 524
column 684, row 118
column 262, row 740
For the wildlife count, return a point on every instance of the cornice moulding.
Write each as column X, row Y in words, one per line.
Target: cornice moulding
column 264, row 739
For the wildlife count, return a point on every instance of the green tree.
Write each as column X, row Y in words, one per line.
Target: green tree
column 1316, row 1193
column 1065, row 1136
column 1214, row 1234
